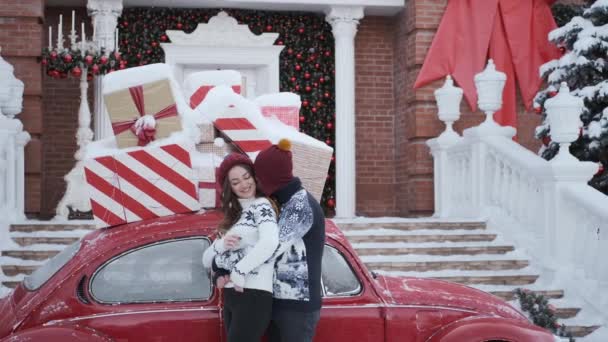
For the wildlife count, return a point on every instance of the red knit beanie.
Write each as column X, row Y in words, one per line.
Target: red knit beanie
column 273, row 167
column 229, row 162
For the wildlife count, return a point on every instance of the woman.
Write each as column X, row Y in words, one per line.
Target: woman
column 248, row 235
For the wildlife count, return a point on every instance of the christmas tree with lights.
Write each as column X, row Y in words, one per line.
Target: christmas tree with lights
column 584, row 67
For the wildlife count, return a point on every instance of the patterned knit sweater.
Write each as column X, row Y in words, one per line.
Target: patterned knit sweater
column 259, row 233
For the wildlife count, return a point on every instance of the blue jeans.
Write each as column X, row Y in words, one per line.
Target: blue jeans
column 293, row 326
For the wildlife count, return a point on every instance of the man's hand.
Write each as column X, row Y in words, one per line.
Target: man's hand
column 232, row 242
column 223, row 280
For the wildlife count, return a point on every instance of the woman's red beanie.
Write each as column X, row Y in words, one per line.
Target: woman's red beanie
column 229, row 162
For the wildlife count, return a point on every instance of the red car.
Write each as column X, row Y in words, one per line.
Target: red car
column 145, row 281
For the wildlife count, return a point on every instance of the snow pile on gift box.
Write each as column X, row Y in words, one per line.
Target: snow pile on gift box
column 241, row 121
column 164, row 153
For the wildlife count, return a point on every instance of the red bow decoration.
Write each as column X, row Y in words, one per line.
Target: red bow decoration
column 144, row 129
column 511, row 32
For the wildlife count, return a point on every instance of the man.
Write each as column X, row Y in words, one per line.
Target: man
column 297, row 279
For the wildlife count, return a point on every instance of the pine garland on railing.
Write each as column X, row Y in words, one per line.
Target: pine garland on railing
column 540, row 312
column 60, row 63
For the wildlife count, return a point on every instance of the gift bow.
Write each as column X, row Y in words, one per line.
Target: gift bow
column 143, row 127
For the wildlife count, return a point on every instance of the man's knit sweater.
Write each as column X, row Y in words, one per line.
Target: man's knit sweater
column 258, row 230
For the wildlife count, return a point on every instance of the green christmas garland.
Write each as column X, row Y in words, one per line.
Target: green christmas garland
column 61, row 63
column 541, row 312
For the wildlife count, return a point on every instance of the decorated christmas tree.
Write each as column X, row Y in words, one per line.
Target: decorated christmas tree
column 584, row 67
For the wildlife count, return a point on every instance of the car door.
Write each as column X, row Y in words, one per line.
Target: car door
column 351, row 309
column 156, row 292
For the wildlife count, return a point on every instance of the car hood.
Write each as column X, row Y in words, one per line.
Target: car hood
column 438, row 293
column 7, row 316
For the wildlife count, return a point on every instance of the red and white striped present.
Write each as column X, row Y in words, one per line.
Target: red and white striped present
column 242, row 131
column 284, row 106
column 141, row 184
column 197, row 85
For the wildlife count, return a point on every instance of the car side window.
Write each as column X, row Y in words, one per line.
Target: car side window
column 168, row 271
column 338, row 277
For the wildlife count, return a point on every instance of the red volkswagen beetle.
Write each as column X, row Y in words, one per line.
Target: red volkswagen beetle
column 145, row 281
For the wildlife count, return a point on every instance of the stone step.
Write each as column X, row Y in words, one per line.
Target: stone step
column 13, row 270
column 471, row 265
column 413, row 225
column 10, row 284
column 581, row 330
column 30, row 255
column 422, row 238
column 28, row 228
column 35, row 240
column 564, row 313
column 492, row 280
column 436, row 250
column 510, row 295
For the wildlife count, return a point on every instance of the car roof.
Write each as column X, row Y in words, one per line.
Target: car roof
column 203, row 222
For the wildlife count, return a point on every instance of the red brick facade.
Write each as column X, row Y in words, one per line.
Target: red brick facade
column 394, row 166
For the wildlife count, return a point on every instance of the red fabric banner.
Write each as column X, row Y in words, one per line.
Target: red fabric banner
column 512, row 32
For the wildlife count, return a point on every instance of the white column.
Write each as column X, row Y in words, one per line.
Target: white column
column 104, row 14
column 344, row 21
column 21, row 139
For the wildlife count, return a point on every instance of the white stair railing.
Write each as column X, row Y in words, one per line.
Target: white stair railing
column 12, row 142
column 485, row 174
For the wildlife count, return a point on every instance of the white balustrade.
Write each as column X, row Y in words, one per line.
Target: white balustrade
column 486, row 175
column 12, row 142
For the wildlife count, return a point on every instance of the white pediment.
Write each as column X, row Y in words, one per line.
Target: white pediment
column 222, row 30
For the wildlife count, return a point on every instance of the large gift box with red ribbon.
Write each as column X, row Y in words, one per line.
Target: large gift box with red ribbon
column 142, row 113
column 141, row 184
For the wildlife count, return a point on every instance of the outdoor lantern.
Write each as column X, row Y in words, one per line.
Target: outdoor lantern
column 564, row 112
column 490, row 84
column 14, row 105
column 6, row 77
column 448, row 100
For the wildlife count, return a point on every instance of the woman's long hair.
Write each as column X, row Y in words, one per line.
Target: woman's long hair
column 230, row 202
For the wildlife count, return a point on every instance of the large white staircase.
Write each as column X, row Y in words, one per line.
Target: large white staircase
column 465, row 252
column 32, row 244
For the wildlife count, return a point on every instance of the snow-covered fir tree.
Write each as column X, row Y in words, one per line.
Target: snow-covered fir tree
column 584, row 67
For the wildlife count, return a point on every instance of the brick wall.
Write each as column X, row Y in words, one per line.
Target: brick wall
column 375, row 117
column 21, row 40
column 61, row 101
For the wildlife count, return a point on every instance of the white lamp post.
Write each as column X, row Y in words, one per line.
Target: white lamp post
column 564, row 111
column 448, row 100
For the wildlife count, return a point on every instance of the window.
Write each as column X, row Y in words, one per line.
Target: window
column 338, row 278
column 45, row 272
column 168, row 271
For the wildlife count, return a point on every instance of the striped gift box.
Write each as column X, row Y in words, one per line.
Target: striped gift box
column 289, row 115
column 242, row 132
column 142, row 184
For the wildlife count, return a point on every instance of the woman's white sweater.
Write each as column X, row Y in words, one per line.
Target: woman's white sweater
column 259, row 233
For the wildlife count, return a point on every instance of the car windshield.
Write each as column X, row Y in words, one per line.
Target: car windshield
column 45, row 272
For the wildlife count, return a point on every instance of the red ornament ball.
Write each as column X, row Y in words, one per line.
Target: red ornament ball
column 88, row 59
column 298, row 67
column 331, row 202
column 154, row 44
column 125, row 23
column 290, row 51
column 179, row 26
column 319, row 103
column 67, row 58
column 103, row 60
column 53, row 54
column 302, row 119
column 321, row 80
column 299, row 56
column 317, row 66
column 314, row 109
column 268, row 27
column 44, row 61
column 328, row 141
column 546, row 140
column 301, row 30
column 138, row 56
column 297, row 87
column 163, row 38
column 76, row 72
column 327, row 53
column 326, row 95
column 117, row 56
column 305, row 103
column 293, row 79
column 95, row 69
column 308, row 89
column 333, row 158
column 280, row 42
column 600, row 169
column 329, row 125
column 306, row 75
column 122, row 66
